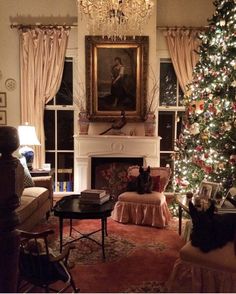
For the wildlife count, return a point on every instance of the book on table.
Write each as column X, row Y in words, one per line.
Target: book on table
column 93, row 193
column 98, row 201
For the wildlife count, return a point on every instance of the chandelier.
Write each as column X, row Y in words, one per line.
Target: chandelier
column 116, row 18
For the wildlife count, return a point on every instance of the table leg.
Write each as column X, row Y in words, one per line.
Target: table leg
column 61, row 232
column 70, row 227
column 106, row 226
column 180, row 219
column 103, row 236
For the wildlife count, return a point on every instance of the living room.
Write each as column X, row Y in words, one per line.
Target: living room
column 91, row 133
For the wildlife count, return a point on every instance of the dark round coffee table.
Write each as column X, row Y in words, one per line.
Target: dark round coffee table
column 69, row 207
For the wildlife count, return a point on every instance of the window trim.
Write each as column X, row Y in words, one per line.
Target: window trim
column 54, row 107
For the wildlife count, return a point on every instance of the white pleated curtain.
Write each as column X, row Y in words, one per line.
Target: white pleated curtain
column 183, row 45
column 42, row 55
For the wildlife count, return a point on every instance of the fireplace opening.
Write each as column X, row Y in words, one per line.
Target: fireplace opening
column 110, row 173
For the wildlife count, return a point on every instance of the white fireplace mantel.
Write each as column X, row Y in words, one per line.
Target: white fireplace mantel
column 88, row 146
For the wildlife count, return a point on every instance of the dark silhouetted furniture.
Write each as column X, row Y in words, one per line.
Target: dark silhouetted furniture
column 39, row 267
column 69, row 207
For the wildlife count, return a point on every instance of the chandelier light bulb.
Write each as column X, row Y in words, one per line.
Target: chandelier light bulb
column 116, row 18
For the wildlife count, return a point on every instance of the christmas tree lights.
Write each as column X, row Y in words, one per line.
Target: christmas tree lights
column 206, row 147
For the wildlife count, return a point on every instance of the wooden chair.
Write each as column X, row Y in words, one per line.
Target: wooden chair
column 39, row 267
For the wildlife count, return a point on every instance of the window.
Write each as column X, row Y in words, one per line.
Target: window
column 170, row 111
column 170, row 91
column 59, row 131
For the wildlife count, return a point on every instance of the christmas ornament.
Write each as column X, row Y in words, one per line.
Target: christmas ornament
column 221, row 165
column 227, row 126
column 232, row 158
column 205, row 135
column 194, row 129
column 233, row 84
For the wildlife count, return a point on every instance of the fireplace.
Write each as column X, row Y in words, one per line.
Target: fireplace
column 110, row 173
column 88, row 148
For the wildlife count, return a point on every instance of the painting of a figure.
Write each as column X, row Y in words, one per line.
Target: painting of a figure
column 117, row 75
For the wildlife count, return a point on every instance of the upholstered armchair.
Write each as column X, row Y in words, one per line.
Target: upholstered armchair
column 145, row 209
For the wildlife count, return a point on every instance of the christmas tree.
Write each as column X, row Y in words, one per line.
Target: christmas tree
column 206, row 147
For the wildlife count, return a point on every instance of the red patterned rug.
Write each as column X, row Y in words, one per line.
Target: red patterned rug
column 138, row 258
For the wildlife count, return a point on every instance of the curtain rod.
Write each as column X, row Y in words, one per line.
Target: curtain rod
column 17, row 26
column 181, row 27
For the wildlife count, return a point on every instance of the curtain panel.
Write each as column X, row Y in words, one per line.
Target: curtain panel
column 183, row 45
column 42, row 55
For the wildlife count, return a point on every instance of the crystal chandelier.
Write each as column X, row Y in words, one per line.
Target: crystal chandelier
column 116, row 18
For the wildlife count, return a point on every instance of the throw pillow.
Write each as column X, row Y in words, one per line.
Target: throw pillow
column 132, row 184
column 28, row 181
column 156, row 183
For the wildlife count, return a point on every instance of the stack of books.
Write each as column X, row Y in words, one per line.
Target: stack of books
column 94, row 196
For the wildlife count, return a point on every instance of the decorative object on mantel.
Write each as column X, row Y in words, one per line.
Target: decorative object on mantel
column 83, row 123
column 150, row 118
column 117, row 124
column 116, row 19
column 79, row 99
column 150, row 124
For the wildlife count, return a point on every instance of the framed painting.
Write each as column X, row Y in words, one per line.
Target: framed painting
column 3, row 99
column 116, row 77
column 3, row 117
column 208, row 190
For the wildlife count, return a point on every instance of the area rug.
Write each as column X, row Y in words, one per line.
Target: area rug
column 139, row 259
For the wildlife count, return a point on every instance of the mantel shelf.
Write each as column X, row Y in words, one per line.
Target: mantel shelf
column 101, row 137
column 90, row 146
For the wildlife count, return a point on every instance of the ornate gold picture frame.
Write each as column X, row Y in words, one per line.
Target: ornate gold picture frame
column 116, row 77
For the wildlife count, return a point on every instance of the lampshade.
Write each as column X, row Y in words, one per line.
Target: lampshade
column 27, row 135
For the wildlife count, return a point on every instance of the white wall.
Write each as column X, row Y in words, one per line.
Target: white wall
column 168, row 13
column 27, row 12
column 189, row 13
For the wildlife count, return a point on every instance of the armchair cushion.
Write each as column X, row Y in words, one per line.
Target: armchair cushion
column 28, row 181
column 222, row 259
column 160, row 177
column 45, row 182
column 151, row 198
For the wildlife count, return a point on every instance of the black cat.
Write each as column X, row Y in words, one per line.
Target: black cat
column 211, row 230
column 144, row 181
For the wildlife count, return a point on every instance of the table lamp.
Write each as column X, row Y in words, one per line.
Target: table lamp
column 27, row 136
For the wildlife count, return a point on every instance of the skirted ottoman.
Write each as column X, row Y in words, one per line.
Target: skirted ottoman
column 198, row 272
column 145, row 209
